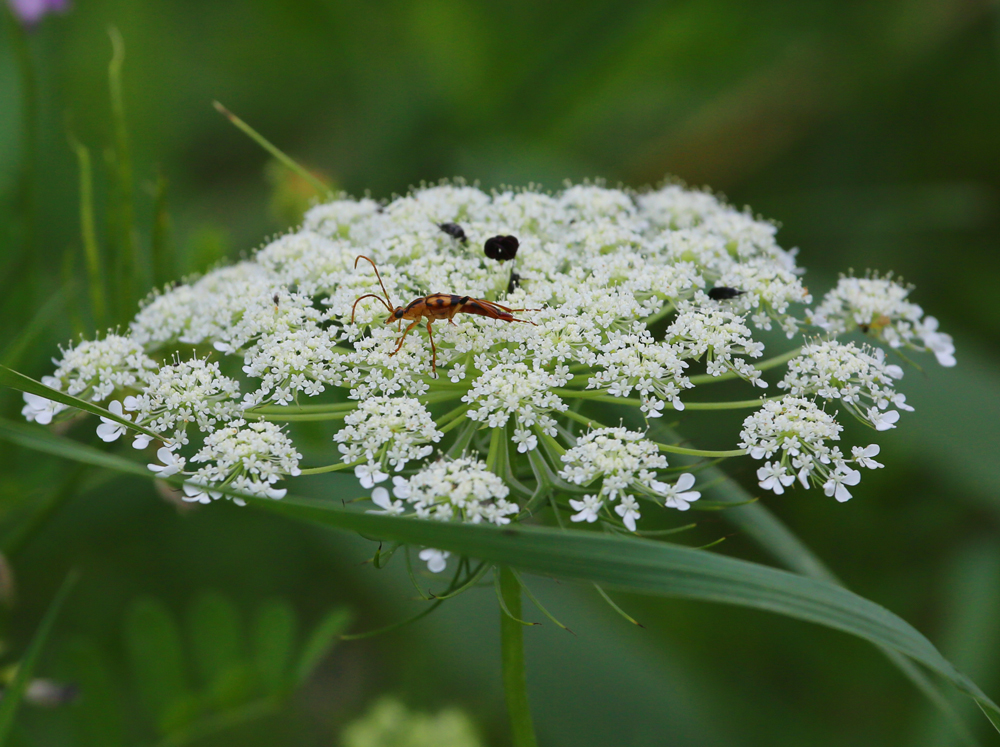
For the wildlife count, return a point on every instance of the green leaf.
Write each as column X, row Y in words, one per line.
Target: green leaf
column 15, row 380
column 97, row 712
column 274, row 631
column 627, row 564
column 216, row 638
column 153, row 641
column 26, row 668
column 320, row 642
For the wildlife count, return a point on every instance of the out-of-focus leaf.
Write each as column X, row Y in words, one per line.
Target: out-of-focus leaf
column 157, row 658
column 43, row 317
column 216, row 638
column 14, row 692
column 97, row 712
column 274, row 629
column 320, row 641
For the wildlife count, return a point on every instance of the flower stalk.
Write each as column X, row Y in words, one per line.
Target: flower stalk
column 515, row 685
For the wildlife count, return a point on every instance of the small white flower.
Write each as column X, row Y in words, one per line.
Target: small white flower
column 369, row 475
column 679, row 495
column 195, row 492
column 588, row 509
column 111, row 430
column 400, row 487
column 882, row 421
column 39, row 409
column 835, row 485
column 865, row 456
column 774, row 477
column 437, row 560
column 628, row 509
column 380, row 497
column 172, row 462
column 525, row 440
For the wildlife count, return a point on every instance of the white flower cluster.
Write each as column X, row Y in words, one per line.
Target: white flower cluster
column 798, row 432
column 878, row 307
column 613, row 294
column 448, row 490
column 182, row 393
column 860, row 378
column 625, row 462
column 636, row 361
column 244, row 457
column 93, row 370
column 384, row 433
column 718, row 334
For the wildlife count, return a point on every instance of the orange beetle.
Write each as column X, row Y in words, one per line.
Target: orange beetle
column 433, row 307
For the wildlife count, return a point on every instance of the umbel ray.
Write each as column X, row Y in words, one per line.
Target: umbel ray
column 433, row 307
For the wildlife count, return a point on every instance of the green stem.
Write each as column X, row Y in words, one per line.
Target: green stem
column 515, row 684
column 127, row 259
column 329, row 468
column 664, row 312
column 662, row 447
column 762, row 366
column 596, row 396
column 300, row 418
column 88, row 234
column 321, row 189
column 29, row 123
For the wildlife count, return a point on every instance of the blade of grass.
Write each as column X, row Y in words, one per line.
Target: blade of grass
column 627, row 564
column 26, row 669
column 321, row 189
column 88, row 234
column 127, row 250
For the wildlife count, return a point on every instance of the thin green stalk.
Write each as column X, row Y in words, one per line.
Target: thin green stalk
column 515, row 684
column 127, row 249
column 296, row 418
column 762, row 366
column 455, row 422
column 29, row 124
column 160, row 241
column 88, row 235
column 329, row 468
column 303, row 409
column 670, row 449
column 264, row 143
column 662, row 313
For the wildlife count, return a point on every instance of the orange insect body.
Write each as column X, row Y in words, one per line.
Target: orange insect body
column 433, row 307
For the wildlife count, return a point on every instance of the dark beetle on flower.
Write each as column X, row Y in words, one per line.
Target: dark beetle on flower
column 454, row 230
column 501, row 248
column 723, row 294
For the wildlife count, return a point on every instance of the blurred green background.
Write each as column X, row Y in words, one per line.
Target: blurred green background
column 871, row 131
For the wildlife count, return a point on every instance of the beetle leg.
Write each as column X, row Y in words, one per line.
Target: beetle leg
column 434, row 353
column 400, row 343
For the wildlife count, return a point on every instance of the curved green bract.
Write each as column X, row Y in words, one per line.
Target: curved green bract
column 627, row 564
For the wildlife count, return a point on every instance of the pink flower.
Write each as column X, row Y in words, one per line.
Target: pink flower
column 30, row 12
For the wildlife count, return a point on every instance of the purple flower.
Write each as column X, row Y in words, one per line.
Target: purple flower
column 31, row 12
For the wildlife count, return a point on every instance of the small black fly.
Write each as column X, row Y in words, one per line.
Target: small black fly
column 501, row 248
column 454, row 230
column 515, row 282
column 724, row 294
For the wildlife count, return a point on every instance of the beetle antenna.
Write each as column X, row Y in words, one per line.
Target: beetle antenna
column 388, row 301
column 368, row 295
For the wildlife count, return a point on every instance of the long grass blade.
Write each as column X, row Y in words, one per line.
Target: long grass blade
column 628, row 564
column 26, row 669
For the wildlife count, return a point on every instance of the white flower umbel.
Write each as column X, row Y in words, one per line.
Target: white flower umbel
column 878, row 306
column 386, row 433
column 244, row 457
column 629, row 299
column 800, row 434
column 858, row 377
column 92, row 370
column 182, row 393
column 457, row 489
column 625, row 462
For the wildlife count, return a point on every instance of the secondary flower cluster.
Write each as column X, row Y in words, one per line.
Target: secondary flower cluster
column 625, row 462
column 624, row 298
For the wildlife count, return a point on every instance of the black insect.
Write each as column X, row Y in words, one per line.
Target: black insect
column 501, row 248
column 454, row 230
column 515, row 282
column 724, row 294
column 276, row 299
